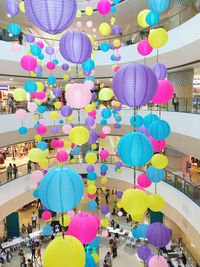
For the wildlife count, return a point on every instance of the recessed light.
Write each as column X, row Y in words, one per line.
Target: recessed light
column 94, row 30
column 10, row 34
column 11, row 79
column 8, row 15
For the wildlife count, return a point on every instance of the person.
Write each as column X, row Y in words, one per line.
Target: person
column 15, row 171
column 23, row 262
column 34, row 219
column 105, row 264
column 9, row 172
column 33, row 257
column 184, row 259
column 110, row 240
column 108, row 259
column 97, row 201
column 11, row 103
column 29, row 166
column 38, row 253
column 112, row 223
column 106, row 197
column 23, row 230
column 175, row 103
column 30, row 263
column 114, row 208
column 20, row 38
column 127, row 218
column 114, row 248
column 29, row 229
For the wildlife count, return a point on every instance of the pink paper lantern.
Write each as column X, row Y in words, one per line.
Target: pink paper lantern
column 143, row 180
column 104, row 233
column 40, row 44
column 62, row 156
column 92, row 113
column 144, row 48
column 71, row 213
column 37, row 176
column 91, row 196
column 84, row 227
column 102, row 136
column 104, row 154
column 158, row 261
column 21, row 114
column 28, row 63
column 78, row 96
column 40, row 95
column 41, row 129
column 46, row 215
column 89, row 24
column 60, row 143
column 66, row 128
column 89, row 84
column 51, row 65
column 32, row 107
column 96, row 217
column 164, row 92
column 104, row 7
column 106, row 130
column 158, row 145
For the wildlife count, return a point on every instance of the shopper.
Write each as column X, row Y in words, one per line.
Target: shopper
column 108, row 259
column 15, row 171
column 9, row 172
column 114, row 248
column 30, row 263
column 11, row 103
column 38, row 253
column 114, row 208
column 29, row 168
column 106, row 197
column 105, row 264
column 175, row 103
column 33, row 257
column 97, row 201
column 34, row 219
column 23, row 230
column 29, row 229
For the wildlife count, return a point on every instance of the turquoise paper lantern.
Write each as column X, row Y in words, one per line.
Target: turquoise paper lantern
column 14, row 29
column 136, row 121
column 92, row 205
column 158, row 6
column 149, row 119
column 135, row 149
column 155, row 175
column 30, row 86
column 35, row 50
column 152, row 18
column 89, row 262
column 159, row 130
column 52, row 80
column 106, row 113
column 140, row 231
column 88, row 65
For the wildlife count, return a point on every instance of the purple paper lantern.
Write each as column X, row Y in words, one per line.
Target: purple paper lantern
column 66, row 111
column 104, row 209
column 90, row 168
column 143, row 130
column 102, row 173
column 134, row 85
column 158, row 235
column 89, row 121
column 57, row 92
column 38, row 69
column 54, row 129
column 75, row 47
column 93, row 137
column 160, row 71
column 65, row 66
column 51, row 16
column 116, row 29
column 12, row 7
column 144, row 252
column 119, row 194
column 30, row 38
column 49, row 50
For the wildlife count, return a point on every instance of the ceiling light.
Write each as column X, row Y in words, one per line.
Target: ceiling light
column 10, row 34
column 8, row 15
column 11, row 79
column 95, row 36
column 94, row 30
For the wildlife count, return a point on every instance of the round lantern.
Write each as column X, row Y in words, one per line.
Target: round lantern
column 157, row 261
column 141, row 19
column 158, row 38
column 90, row 262
column 143, row 180
column 93, row 137
column 104, row 7
column 158, row 146
column 64, row 251
column 160, row 71
column 84, row 227
column 105, row 94
column 75, row 47
column 104, row 29
column 158, row 6
column 156, row 202
column 78, row 95
column 159, row 161
column 51, row 17
column 134, row 201
column 149, row 119
column 144, row 252
column 134, row 149
column 136, row 121
column 164, row 92
column 143, row 130
column 152, row 18
column 140, row 231
column 14, row 29
column 19, row 94
column 155, row 175
column 12, row 7
column 134, row 85
column 144, row 48
column 158, row 235
column 61, row 189
column 116, row 29
column 79, row 135
column 28, row 63
column 159, row 130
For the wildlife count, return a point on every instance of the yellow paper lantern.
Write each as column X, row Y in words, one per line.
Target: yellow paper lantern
column 21, row 7
column 58, row 105
column 102, row 143
column 104, row 29
column 89, row 11
column 64, row 251
column 36, row 117
column 67, row 144
column 90, row 182
column 43, row 162
column 70, row 69
column 90, row 107
column 53, row 115
column 91, row 158
column 104, row 222
column 137, row 217
column 79, row 135
column 70, row 118
column 40, row 86
column 104, row 180
column 94, row 146
column 65, row 220
column 159, row 161
column 105, row 94
column 91, row 189
column 38, row 138
column 158, row 38
column 141, row 19
column 73, row 161
column 45, row 153
column 113, row 20
column 80, row 73
column 119, row 204
column 19, row 94
column 119, row 170
column 66, row 77
column 33, row 74
column 91, row 38
column 96, row 257
column 78, row 14
column 156, row 202
column 104, row 188
column 135, row 201
column 116, row 43
column 35, row 154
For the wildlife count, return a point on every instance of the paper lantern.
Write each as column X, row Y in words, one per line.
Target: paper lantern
column 37, row 176
column 158, row 38
column 90, row 262
column 28, row 63
column 134, row 84
column 155, row 175
column 103, row 7
column 64, row 251
column 104, row 209
column 158, row 146
column 140, row 231
column 143, row 180
column 143, row 130
column 88, row 65
column 158, row 6
column 92, row 205
column 134, row 201
column 144, row 48
column 46, row 215
column 79, row 135
column 159, row 130
column 116, row 29
column 21, row 7
column 164, row 92
column 22, row 130
column 143, row 252
column 19, row 94
column 12, row 7
column 21, row 114
column 160, row 71
column 104, row 47
column 136, row 121
column 62, row 156
column 159, row 161
column 65, row 220
column 104, row 154
column 137, row 217
column 91, row 158
column 89, row 11
column 105, row 94
column 152, row 18
column 93, row 137
column 84, row 227
column 50, row 16
column 156, row 202
column 104, row 29
column 158, row 261
column 149, row 119
column 75, row 47
column 35, row 154
column 61, row 189
column 14, row 29
column 141, row 19
column 134, row 149
column 158, row 235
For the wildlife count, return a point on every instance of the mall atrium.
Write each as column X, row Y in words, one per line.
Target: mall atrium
column 100, row 133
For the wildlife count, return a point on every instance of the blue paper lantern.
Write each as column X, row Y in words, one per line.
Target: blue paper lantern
column 118, row 118
column 118, row 126
column 30, row 86
column 55, row 61
column 155, row 175
column 52, row 80
column 41, row 56
column 22, row 130
column 47, row 230
column 35, row 50
column 115, row 2
column 135, row 149
column 152, row 18
column 159, row 130
column 106, row 113
column 14, row 29
column 113, row 9
column 36, row 193
column 92, row 176
column 61, row 189
column 104, row 47
column 42, row 145
column 95, row 243
column 103, row 122
column 88, row 65
column 149, row 119
column 158, row 6
column 140, row 231
column 41, row 108
column 89, row 261
column 136, row 121
column 92, row 205
column 104, row 168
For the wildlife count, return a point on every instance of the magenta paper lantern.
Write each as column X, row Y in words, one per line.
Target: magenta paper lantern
column 84, row 227
column 51, row 16
column 28, row 63
column 62, row 156
column 78, row 95
column 46, row 215
column 51, row 65
column 158, row 145
column 104, row 154
column 143, row 180
column 144, row 48
column 164, row 92
column 75, row 47
column 158, row 261
column 134, row 84
column 103, row 7
column 41, row 129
